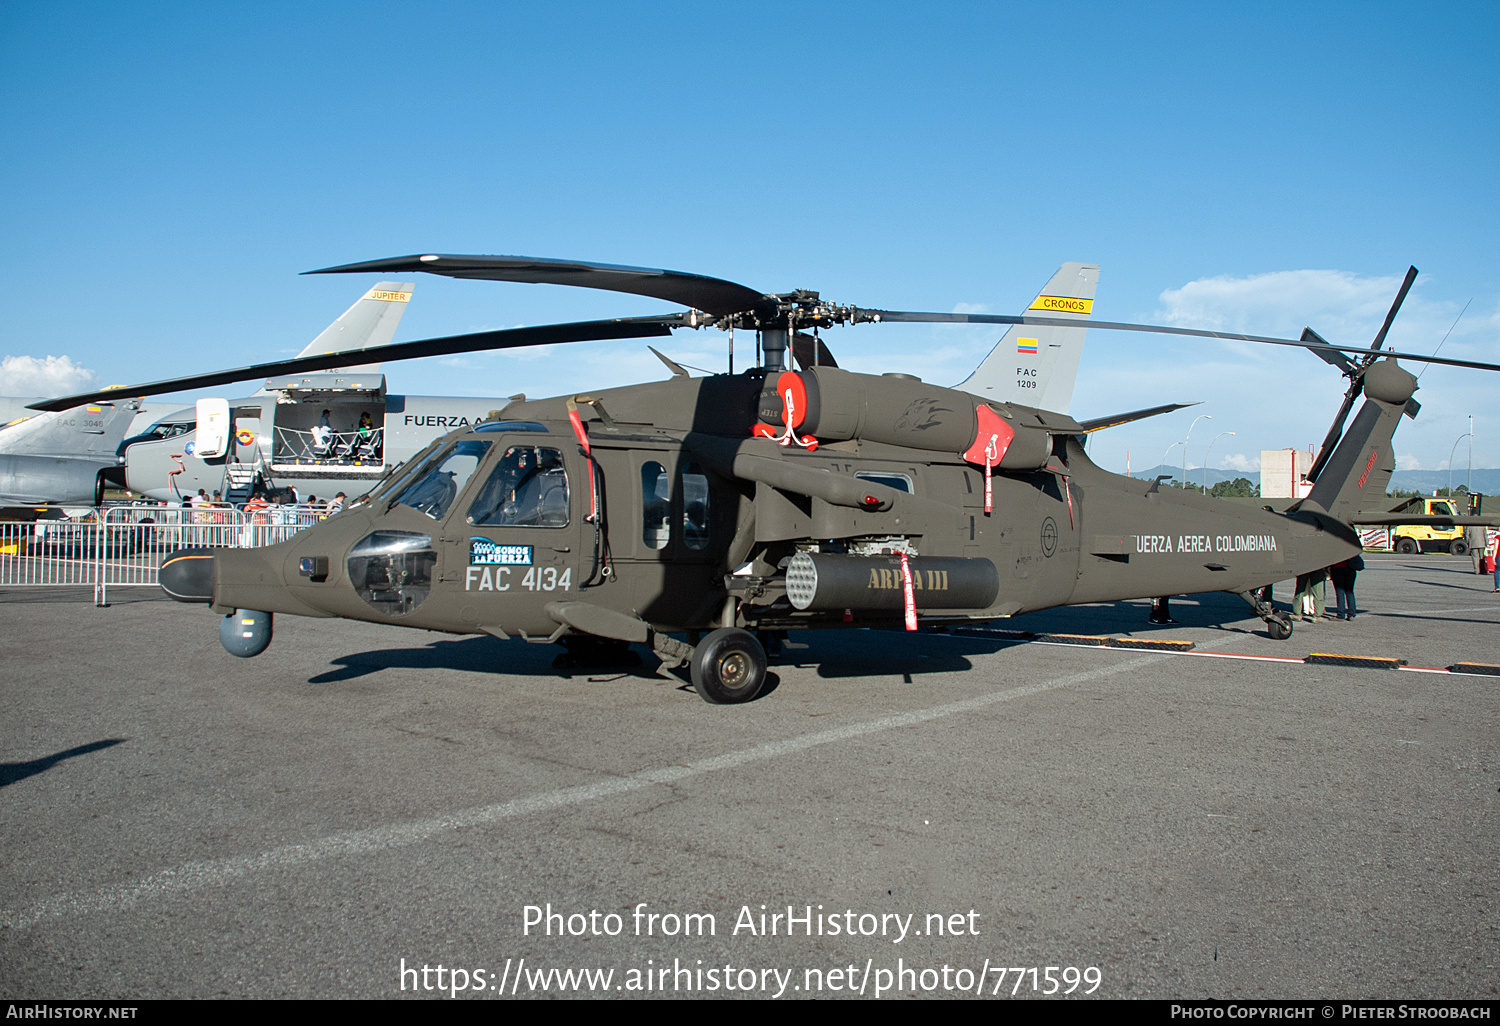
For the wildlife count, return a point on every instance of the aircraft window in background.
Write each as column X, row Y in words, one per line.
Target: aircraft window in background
column 656, row 505
column 900, row 482
column 435, row 490
column 694, row 507
column 162, row 429
column 527, row 488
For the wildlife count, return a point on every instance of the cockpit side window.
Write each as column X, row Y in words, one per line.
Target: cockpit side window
column 900, row 482
column 433, row 492
column 527, row 488
column 167, row 429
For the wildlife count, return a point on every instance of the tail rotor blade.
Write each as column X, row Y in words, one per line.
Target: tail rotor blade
column 1331, row 440
column 1411, row 276
column 1331, row 356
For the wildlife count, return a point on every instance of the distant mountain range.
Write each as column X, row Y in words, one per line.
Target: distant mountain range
column 1486, row 481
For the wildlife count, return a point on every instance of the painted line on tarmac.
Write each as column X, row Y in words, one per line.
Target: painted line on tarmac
column 1101, row 643
column 217, row 872
column 1432, row 612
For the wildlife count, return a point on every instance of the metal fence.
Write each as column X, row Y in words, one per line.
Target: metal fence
column 122, row 546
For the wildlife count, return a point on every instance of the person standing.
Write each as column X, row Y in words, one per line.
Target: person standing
column 1474, row 540
column 1492, row 550
column 1343, row 576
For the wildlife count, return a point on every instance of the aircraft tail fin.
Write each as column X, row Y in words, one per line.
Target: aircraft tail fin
column 371, row 321
column 1037, row 366
column 1359, row 471
column 94, row 430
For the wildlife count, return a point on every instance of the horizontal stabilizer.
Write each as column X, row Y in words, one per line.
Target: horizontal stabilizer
column 1100, row 423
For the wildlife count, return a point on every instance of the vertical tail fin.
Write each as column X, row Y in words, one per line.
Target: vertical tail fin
column 94, row 430
column 371, row 321
column 1037, row 366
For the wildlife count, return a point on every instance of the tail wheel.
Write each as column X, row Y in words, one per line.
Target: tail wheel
column 1279, row 629
column 728, row 667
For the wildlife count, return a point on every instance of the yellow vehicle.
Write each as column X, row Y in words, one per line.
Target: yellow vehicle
column 1409, row 539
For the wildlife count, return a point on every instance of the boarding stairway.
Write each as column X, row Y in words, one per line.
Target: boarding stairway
column 239, row 482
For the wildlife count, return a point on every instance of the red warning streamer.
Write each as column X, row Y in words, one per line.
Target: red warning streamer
column 583, row 441
column 908, row 594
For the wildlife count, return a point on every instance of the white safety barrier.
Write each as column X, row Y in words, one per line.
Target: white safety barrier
column 123, row 546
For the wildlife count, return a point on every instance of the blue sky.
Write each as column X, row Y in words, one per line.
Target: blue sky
column 168, row 169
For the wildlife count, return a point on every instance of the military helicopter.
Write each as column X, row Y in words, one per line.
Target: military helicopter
column 733, row 507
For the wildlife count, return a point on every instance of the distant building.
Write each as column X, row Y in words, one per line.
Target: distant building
column 1283, row 473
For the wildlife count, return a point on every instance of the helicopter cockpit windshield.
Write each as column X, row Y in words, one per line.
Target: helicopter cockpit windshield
column 433, row 491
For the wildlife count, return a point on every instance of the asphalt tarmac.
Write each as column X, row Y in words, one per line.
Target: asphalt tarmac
column 181, row 823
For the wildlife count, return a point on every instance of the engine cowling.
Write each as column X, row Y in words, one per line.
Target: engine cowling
column 835, row 405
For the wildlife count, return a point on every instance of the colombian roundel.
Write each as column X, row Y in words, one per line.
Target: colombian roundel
column 245, row 436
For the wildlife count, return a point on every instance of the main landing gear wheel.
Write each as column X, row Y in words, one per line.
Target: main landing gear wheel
column 728, row 666
column 1279, row 629
column 1408, row 547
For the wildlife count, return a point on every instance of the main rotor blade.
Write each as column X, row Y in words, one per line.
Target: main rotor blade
column 1159, row 329
column 508, row 338
column 1411, row 276
column 713, row 295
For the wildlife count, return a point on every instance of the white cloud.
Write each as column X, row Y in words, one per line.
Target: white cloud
column 1240, row 462
column 45, row 376
column 1406, row 461
column 1338, row 304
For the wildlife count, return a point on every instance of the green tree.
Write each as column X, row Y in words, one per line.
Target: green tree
column 1239, row 488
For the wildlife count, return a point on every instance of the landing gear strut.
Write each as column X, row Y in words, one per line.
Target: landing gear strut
column 1278, row 625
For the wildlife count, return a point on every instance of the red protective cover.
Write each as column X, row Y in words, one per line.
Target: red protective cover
column 990, row 427
column 792, row 381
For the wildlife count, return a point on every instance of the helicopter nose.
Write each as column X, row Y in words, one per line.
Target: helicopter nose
column 188, row 575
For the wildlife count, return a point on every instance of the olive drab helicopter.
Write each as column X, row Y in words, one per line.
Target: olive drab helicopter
column 731, row 507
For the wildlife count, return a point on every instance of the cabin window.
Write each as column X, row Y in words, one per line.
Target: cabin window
column 694, row 507
column 900, row 482
column 656, row 505
column 527, row 488
column 433, row 492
